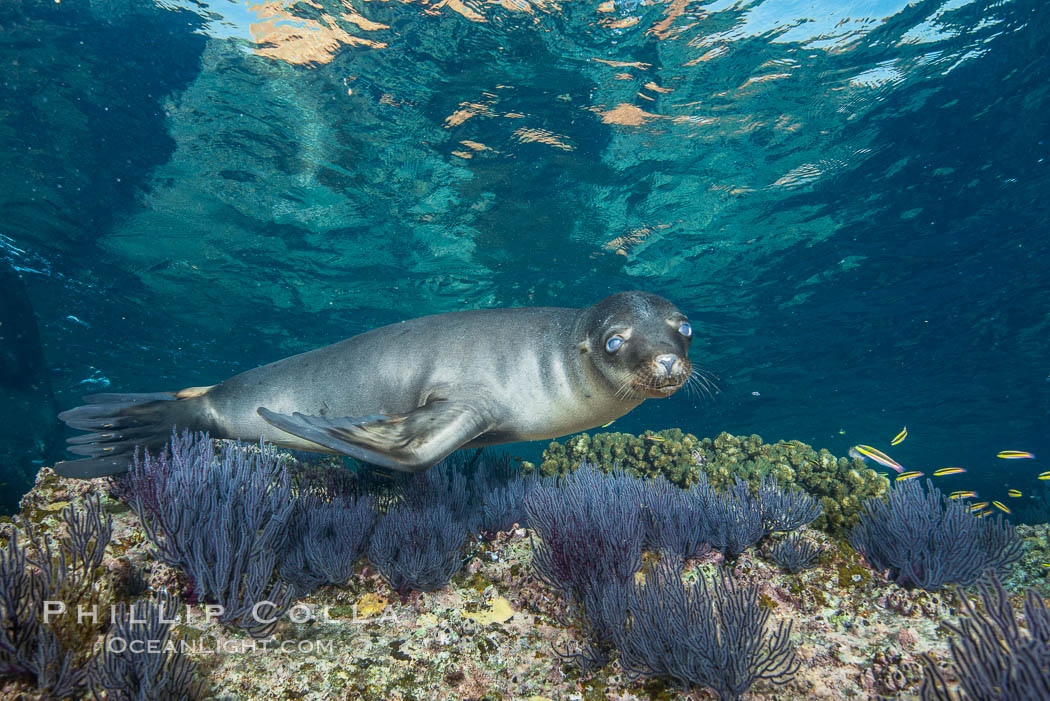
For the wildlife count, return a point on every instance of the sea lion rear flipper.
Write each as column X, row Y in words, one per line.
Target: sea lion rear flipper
column 408, row 442
column 120, row 423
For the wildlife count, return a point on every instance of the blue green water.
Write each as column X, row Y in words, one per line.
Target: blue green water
column 849, row 200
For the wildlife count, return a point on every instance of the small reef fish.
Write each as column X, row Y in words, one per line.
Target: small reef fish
column 1013, row 493
column 609, row 424
column 905, row 476
column 1044, row 475
column 878, row 456
column 978, row 506
column 1001, row 506
column 899, row 438
column 1014, row 455
column 655, row 438
column 948, row 471
column 964, row 494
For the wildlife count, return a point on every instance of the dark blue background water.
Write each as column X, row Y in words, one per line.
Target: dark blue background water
column 848, row 199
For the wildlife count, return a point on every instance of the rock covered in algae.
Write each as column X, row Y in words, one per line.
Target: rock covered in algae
column 1034, row 569
column 841, row 484
column 495, row 631
column 668, row 453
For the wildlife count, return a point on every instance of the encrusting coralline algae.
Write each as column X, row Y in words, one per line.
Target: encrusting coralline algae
column 497, row 628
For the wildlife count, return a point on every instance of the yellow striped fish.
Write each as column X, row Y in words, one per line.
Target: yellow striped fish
column 655, row 438
column 966, row 494
column 609, row 424
column 879, row 457
column 978, row 506
column 1001, row 506
column 899, row 438
column 1013, row 493
column 905, row 476
column 948, row 471
column 1044, row 475
column 1014, row 455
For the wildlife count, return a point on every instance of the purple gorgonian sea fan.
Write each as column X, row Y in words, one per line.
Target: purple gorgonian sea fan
column 328, row 535
column 137, row 662
column 678, row 521
column 222, row 518
column 794, row 553
column 923, row 540
column 417, row 547
column 689, row 522
column 418, row 543
column 590, row 529
column 992, row 655
column 786, row 509
column 698, row 634
column 484, row 492
column 57, row 571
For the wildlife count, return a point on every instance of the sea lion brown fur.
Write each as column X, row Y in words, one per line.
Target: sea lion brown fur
column 404, row 396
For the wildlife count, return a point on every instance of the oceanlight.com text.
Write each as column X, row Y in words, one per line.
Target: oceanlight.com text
column 210, row 647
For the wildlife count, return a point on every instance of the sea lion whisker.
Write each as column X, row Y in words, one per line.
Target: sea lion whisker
column 704, row 377
column 626, row 389
column 701, row 384
column 706, row 374
column 698, row 390
column 693, row 387
column 708, row 388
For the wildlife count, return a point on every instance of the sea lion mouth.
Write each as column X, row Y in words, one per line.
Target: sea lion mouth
column 659, row 378
column 661, row 389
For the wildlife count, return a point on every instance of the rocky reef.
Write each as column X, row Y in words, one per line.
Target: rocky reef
column 496, row 630
column 841, row 484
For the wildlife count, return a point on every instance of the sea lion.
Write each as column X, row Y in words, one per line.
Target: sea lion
column 404, row 396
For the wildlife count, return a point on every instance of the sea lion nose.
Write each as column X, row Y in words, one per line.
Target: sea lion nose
column 667, row 360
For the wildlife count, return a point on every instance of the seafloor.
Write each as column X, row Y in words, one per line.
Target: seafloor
column 490, row 633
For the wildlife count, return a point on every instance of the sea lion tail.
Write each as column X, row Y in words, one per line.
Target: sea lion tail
column 121, row 423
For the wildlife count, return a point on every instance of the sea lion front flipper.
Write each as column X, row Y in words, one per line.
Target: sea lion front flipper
column 408, row 442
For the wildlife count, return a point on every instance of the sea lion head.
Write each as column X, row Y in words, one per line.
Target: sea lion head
column 639, row 342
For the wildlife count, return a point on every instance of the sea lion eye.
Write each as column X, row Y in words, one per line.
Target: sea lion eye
column 613, row 343
column 685, row 329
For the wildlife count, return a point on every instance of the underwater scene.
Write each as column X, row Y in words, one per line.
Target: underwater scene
column 524, row 350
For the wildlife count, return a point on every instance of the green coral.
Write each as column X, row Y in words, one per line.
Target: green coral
column 841, row 484
column 668, row 453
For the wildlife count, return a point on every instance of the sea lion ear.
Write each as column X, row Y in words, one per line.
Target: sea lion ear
column 584, row 346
